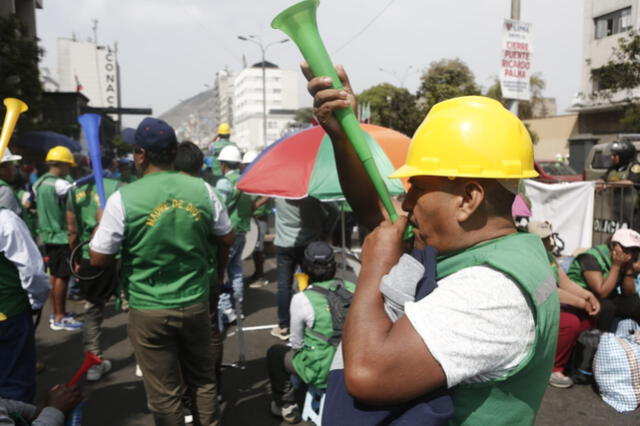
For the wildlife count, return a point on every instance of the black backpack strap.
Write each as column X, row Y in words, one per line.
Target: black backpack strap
column 338, row 287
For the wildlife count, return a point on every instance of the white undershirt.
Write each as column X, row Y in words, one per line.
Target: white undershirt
column 110, row 232
column 477, row 324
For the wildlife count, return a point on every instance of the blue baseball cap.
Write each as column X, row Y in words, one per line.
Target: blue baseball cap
column 154, row 134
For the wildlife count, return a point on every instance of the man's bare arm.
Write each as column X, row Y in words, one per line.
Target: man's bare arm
column 385, row 362
column 355, row 182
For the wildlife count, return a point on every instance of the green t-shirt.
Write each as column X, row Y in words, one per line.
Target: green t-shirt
column 52, row 222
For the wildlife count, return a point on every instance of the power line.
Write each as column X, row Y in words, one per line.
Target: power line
column 197, row 20
column 356, row 35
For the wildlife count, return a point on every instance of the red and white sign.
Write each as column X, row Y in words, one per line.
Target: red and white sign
column 516, row 60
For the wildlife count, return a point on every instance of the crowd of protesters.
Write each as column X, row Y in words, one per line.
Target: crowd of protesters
column 167, row 248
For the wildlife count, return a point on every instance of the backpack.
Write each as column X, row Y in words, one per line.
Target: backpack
column 339, row 300
column 581, row 365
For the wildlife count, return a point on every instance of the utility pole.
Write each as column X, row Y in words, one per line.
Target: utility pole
column 95, row 31
column 263, row 49
column 515, row 15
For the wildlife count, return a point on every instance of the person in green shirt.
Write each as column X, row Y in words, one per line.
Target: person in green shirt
column 607, row 271
column 51, row 191
column 496, row 299
column 221, row 140
column 168, row 225
column 82, row 204
column 311, row 350
column 189, row 160
column 240, row 208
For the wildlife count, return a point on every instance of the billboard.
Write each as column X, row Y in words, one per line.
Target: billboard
column 108, row 76
column 516, row 60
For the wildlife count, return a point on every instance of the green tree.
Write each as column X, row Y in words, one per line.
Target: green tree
column 19, row 75
column 525, row 108
column 303, row 115
column 392, row 107
column 622, row 73
column 445, row 79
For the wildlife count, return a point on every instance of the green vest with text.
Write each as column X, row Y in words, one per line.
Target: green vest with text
column 52, row 222
column 313, row 361
column 13, row 298
column 515, row 398
column 167, row 252
column 84, row 202
column 602, row 255
column 238, row 205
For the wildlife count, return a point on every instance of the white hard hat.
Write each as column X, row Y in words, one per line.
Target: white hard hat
column 249, row 157
column 9, row 157
column 230, row 154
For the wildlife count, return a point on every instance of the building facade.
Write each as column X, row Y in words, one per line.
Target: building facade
column 281, row 104
column 599, row 113
column 223, row 97
column 89, row 69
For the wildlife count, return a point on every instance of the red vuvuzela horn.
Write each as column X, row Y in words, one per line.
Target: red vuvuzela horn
column 90, row 360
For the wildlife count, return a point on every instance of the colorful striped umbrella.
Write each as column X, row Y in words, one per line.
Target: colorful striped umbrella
column 303, row 164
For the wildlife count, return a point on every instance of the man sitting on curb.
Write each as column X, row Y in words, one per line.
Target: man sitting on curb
column 313, row 337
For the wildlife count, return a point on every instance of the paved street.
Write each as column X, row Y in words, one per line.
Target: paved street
column 119, row 398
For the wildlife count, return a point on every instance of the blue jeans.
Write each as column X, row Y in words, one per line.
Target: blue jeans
column 18, row 358
column 235, row 281
column 287, row 259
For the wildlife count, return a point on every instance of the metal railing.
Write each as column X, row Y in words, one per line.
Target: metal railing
column 615, row 206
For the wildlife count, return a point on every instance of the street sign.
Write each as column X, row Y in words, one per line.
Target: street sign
column 516, row 60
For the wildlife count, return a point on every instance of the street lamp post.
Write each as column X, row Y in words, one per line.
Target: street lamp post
column 258, row 41
column 400, row 78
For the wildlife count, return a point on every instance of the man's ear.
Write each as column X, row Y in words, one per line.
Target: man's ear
column 470, row 197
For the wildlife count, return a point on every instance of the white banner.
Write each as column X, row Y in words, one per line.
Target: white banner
column 569, row 208
column 516, row 60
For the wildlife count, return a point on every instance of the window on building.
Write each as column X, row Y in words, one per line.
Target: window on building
column 613, row 23
column 272, row 124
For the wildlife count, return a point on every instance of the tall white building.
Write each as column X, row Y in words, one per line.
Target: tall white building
column 605, row 22
column 281, row 103
column 223, row 95
column 90, row 69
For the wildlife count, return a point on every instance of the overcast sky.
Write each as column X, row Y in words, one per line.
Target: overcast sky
column 169, row 50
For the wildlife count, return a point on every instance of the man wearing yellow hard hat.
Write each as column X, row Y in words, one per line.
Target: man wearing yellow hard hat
column 51, row 190
column 488, row 331
column 221, row 141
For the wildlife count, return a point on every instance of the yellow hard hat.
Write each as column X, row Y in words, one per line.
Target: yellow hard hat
column 470, row 136
column 60, row 154
column 224, row 129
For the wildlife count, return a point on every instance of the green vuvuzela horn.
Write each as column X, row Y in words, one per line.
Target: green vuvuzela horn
column 299, row 23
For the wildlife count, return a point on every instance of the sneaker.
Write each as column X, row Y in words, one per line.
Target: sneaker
column 96, row 372
column 230, row 315
column 67, row 323
column 66, row 315
column 290, row 413
column 259, row 283
column 188, row 419
column 280, row 333
column 559, row 380
column 138, row 371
